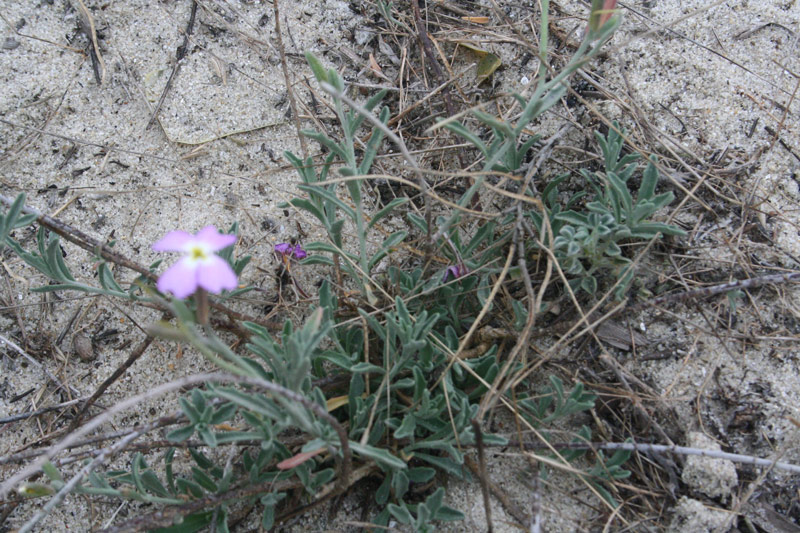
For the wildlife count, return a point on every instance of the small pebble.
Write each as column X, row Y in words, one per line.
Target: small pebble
column 362, row 37
column 82, row 345
column 10, row 43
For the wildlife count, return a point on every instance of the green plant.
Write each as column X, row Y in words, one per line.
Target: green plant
column 375, row 388
column 588, row 242
column 509, row 144
column 555, row 404
column 323, row 202
column 14, row 219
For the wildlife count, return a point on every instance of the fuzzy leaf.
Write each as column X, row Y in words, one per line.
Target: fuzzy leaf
column 316, row 67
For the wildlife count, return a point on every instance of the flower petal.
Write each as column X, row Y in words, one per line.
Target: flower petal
column 180, row 279
column 283, row 248
column 299, row 253
column 216, row 274
column 214, row 239
column 174, row 241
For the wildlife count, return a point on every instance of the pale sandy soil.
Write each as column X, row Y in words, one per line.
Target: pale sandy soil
column 711, row 87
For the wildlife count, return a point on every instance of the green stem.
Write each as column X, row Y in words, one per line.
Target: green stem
column 543, row 38
column 355, row 194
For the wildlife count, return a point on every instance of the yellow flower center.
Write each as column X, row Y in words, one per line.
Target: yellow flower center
column 197, row 253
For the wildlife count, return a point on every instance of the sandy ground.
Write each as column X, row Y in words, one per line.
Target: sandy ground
column 710, row 86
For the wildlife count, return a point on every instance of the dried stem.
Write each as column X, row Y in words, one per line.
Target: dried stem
column 87, row 26
column 659, row 448
column 484, row 476
column 43, row 410
column 77, row 478
column 287, row 80
column 135, row 354
column 705, row 292
column 40, row 366
column 179, row 55
column 92, row 245
column 498, row 493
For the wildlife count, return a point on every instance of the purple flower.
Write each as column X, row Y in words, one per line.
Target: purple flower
column 299, row 253
column 455, row 271
column 200, row 266
column 283, row 248
column 286, row 250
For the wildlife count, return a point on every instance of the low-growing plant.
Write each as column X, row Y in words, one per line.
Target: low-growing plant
column 323, row 202
column 587, row 242
column 378, row 391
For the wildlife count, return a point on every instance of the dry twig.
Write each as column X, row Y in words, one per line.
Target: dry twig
column 179, row 55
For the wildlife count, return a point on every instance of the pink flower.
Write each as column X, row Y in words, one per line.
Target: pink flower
column 200, row 266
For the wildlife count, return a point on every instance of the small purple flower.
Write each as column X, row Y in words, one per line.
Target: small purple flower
column 283, row 248
column 299, row 253
column 455, row 271
column 286, row 251
column 200, row 266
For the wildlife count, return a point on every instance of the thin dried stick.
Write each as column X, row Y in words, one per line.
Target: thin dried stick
column 705, row 292
column 31, row 414
column 484, row 476
column 79, row 238
column 83, row 142
column 179, row 55
column 498, row 493
column 97, row 59
column 443, row 82
column 660, row 448
column 24, row 456
column 427, row 46
column 346, row 465
column 73, row 482
column 135, row 354
column 288, row 81
column 521, row 345
column 535, row 525
column 327, row 493
column 40, row 366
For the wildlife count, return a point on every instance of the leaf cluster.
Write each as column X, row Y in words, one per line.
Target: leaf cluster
column 589, row 242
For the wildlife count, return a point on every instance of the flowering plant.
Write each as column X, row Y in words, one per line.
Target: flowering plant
column 377, row 360
column 455, row 272
column 286, row 251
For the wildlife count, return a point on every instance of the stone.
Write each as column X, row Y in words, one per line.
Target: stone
column 692, row 515
column 713, row 477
